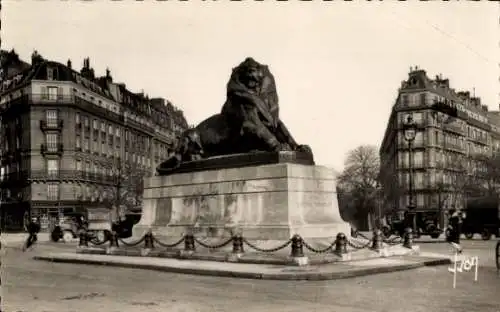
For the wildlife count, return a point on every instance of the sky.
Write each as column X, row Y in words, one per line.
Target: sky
column 337, row 65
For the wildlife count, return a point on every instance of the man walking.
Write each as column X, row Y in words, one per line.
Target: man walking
column 33, row 229
column 453, row 230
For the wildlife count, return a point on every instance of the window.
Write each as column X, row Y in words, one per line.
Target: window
column 78, row 165
column 86, row 146
column 52, row 191
column 418, row 118
column 418, row 158
column 87, row 166
column 117, row 132
column 404, row 100
column 78, row 142
column 418, row 179
column 86, row 121
column 51, row 140
column 52, row 167
column 420, row 200
column 419, row 138
column 77, row 118
column 52, row 91
column 95, row 124
column 423, row 99
column 110, row 130
column 103, row 126
column 50, row 73
column 51, row 117
column 95, row 146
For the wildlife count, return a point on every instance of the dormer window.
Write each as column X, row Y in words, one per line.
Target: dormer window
column 50, row 73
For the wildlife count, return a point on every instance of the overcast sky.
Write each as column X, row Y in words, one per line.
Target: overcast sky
column 337, row 65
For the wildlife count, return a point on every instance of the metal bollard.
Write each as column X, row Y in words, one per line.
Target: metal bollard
column 237, row 244
column 189, row 242
column 408, row 238
column 83, row 242
column 148, row 240
column 341, row 244
column 377, row 239
column 113, row 241
column 297, row 246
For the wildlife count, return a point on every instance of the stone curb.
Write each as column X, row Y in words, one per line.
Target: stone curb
column 312, row 276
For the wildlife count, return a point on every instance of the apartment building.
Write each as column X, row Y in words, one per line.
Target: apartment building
column 452, row 128
column 69, row 138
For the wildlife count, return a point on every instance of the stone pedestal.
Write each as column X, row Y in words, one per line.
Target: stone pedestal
column 264, row 202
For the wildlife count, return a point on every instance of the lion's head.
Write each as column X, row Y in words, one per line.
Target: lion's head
column 254, row 77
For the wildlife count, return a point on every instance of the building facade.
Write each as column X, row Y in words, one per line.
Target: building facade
column 453, row 130
column 71, row 141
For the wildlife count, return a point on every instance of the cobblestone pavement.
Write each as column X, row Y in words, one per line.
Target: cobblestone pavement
column 36, row 286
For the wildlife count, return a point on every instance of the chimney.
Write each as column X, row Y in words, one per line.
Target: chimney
column 69, row 64
column 108, row 75
column 35, row 58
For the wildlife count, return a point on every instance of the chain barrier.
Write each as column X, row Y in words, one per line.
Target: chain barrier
column 180, row 241
column 393, row 241
column 267, row 250
column 132, row 244
column 98, row 243
column 358, row 247
column 363, row 235
column 223, row 244
column 320, row 251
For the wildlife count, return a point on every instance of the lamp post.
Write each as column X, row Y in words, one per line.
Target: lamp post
column 410, row 132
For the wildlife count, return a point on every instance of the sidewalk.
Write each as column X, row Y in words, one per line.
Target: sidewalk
column 254, row 271
column 17, row 239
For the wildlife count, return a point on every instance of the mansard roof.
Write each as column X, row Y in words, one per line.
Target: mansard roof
column 20, row 73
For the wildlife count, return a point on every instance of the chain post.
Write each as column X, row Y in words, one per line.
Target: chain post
column 148, row 240
column 189, row 242
column 341, row 244
column 113, row 242
column 297, row 246
column 83, row 242
column 408, row 238
column 377, row 239
column 237, row 244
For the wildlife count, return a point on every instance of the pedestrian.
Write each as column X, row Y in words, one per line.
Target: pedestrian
column 453, row 230
column 33, row 229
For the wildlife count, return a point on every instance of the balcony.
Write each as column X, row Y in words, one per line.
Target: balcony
column 71, row 175
column 51, row 149
column 51, row 125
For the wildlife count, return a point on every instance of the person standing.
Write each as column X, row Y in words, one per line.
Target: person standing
column 33, row 230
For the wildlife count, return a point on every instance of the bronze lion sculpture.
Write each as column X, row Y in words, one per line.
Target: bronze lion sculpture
column 249, row 121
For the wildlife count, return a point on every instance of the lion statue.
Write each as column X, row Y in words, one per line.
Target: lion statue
column 249, row 121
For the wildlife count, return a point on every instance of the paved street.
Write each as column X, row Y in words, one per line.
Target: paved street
column 30, row 285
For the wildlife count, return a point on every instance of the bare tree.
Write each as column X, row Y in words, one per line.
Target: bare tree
column 358, row 182
column 124, row 195
column 486, row 169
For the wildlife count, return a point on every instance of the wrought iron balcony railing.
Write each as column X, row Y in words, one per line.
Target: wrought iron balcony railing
column 54, row 149
column 55, row 124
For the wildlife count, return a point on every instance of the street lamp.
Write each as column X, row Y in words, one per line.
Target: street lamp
column 410, row 132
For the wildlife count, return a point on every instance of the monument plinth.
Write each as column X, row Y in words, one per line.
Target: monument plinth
column 265, row 202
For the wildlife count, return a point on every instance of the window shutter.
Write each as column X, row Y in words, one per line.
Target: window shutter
column 59, row 93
